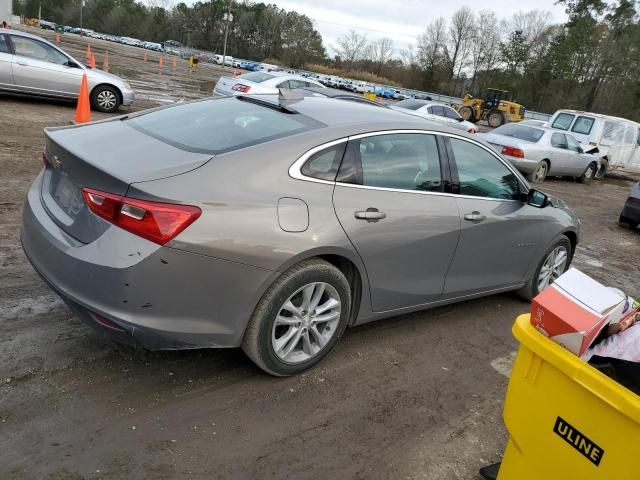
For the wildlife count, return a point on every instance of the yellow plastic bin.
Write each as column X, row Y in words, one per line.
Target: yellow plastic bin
column 566, row 420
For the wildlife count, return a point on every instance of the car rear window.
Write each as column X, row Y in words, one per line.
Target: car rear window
column 583, row 125
column 522, row 132
column 563, row 121
column 410, row 104
column 220, row 125
column 257, row 77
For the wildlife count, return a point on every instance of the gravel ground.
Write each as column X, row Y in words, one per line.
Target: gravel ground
column 417, row 396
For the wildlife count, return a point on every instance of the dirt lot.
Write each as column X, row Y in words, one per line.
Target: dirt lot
column 417, row 396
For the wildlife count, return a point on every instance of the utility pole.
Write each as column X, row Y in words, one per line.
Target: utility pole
column 227, row 17
column 81, row 5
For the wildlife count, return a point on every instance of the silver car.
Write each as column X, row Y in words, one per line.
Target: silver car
column 273, row 224
column 436, row 112
column 31, row 65
column 539, row 152
column 254, row 83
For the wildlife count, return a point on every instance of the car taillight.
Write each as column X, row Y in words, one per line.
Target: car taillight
column 155, row 221
column 513, row 152
column 472, row 130
column 239, row 87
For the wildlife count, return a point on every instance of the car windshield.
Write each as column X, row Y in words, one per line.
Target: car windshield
column 220, row 125
column 521, row 132
column 257, row 77
column 410, row 104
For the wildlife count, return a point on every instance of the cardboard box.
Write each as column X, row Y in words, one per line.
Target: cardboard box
column 574, row 310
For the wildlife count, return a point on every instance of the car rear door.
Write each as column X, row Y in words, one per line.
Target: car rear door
column 390, row 200
column 500, row 234
column 6, row 60
column 560, row 155
column 40, row 68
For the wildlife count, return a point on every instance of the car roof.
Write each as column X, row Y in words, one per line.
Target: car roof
column 356, row 117
column 23, row 34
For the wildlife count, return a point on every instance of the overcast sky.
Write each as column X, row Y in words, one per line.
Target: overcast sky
column 403, row 20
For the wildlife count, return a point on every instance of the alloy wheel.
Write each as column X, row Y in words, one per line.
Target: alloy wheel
column 541, row 172
column 554, row 266
column 106, row 100
column 306, row 322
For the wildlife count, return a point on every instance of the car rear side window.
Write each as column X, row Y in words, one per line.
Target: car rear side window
column 4, row 46
column 563, row 121
column 220, row 125
column 407, row 161
column 481, row 174
column 583, row 125
column 324, row 165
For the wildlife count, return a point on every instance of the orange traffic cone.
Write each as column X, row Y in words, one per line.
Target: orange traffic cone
column 83, row 110
column 88, row 53
column 161, row 62
column 92, row 63
column 105, row 63
column 145, row 57
column 57, row 38
column 173, row 63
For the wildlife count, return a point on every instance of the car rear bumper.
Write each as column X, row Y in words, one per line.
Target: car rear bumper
column 631, row 210
column 522, row 164
column 159, row 297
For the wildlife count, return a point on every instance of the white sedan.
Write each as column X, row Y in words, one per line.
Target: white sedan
column 261, row 83
column 436, row 112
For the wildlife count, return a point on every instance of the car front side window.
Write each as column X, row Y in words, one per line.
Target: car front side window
column 481, row 174
column 573, row 144
column 558, row 140
column 451, row 113
column 4, row 46
column 30, row 48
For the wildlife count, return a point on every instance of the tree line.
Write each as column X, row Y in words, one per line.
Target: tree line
column 590, row 62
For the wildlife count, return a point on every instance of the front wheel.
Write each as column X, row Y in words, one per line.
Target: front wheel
column 105, row 98
column 554, row 263
column 299, row 319
column 604, row 168
column 495, row 119
column 588, row 174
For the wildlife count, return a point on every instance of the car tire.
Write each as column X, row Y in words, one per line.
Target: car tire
column 467, row 114
column 588, row 174
column 532, row 287
column 629, row 223
column 265, row 340
column 105, row 98
column 495, row 119
column 539, row 174
column 604, row 168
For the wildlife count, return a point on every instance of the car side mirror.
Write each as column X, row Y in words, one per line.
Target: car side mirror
column 537, row 199
column 72, row 64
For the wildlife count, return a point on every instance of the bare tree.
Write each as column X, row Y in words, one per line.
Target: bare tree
column 351, row 47
column 431, row 49
column 485, row 44
column 380, row 52
column 408, row 55
column 460, row 35
column 534, row 27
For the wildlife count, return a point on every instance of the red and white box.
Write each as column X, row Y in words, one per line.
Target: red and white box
column 573, row 310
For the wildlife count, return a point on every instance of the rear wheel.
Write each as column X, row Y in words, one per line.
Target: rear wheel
column 299, row 319
column 495, row 119
column 467, row 114
column 554, row 263
column 588, row 174
column 540, row 173
column 105, row 98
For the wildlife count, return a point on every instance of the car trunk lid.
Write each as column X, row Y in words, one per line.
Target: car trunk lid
column 106, row 156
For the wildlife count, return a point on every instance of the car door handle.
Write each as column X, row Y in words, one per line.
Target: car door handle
column 23, row 64
column 474, row 217
column 370, row 215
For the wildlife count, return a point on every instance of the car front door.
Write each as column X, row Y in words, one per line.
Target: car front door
column 389, row 198
column 500, row 233
column 40, row 68
column 6, row 60
column 577, row 160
